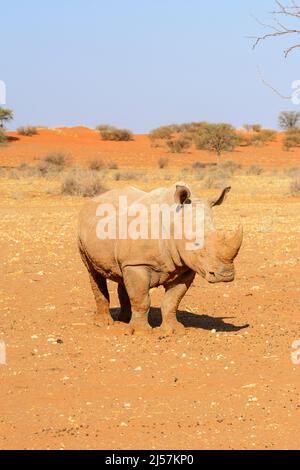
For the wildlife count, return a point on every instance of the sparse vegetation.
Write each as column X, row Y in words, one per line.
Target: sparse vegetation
column 289, row 120
column 96, row 165
column 291, row 139
column 52, row 164
column 252, row 127
column 161, row 133
column 177, row 145
column 3, row 137
column 104, row 127
column 112, row 165
column 114, row 134
column 254, row 170
column 163, row 162
column 83, row 183
column 218, row 138
column 129, row 175
column 28, row 131
column 262, row 137
column 295, row 188
column 6, row 115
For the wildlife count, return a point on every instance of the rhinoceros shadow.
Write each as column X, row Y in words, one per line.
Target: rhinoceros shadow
column 191, row 320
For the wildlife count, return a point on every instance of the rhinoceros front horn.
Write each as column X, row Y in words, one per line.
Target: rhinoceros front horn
column 231, row 246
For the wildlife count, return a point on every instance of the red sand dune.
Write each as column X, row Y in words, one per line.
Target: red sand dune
column 82, row 145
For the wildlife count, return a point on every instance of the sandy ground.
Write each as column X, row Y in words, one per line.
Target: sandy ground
column 228, row 383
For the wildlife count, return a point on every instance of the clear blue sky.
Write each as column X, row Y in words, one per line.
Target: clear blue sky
column 140, row 63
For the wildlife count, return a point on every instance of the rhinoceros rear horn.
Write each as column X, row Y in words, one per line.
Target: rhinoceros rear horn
column 231, row 246
column 182, row 194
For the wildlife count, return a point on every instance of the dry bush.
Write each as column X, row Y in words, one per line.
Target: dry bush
column 178, row 145
column 244, row 140
column 289, row 120
column 112, row 165
column 104, row 127
column 56, row 158
column 29, row 171
column 163, row 162
column 52, row 164
column 199, row 165
column 215, row 182
column 96, row 165
column 252, row 127
column 291, row 139
column 129, row 175
column 261, row 138
column 117, row 135
column 216, row 177
column 293, row 172
column 254, row 170
column 295, row 188
column 230, row 167
column 28, row 131
column 84, row 183
column 161, row 133
column 256, row 127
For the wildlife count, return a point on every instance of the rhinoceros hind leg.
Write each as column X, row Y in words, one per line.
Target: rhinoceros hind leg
column 99, row 287
column 125, row 314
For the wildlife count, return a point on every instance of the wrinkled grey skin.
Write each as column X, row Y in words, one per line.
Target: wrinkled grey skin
column 140, row 265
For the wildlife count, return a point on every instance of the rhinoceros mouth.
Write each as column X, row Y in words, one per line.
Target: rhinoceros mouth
column 214, row 278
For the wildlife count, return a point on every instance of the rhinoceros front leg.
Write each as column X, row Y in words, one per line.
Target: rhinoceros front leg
column 173, row 296
column 137, row 283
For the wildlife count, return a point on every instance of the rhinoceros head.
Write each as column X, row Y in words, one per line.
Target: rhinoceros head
column 215, row 260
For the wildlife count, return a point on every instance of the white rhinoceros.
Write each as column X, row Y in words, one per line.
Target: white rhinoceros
column 140, row 264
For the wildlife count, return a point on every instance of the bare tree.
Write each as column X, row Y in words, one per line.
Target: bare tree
column 289, row 120
column 281, row 26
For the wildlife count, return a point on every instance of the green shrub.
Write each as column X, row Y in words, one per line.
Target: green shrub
column 161, row 133
column 217, row 138
column 5, row 116
column 244, row 140
column 3, row 137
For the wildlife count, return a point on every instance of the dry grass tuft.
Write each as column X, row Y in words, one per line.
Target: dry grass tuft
column 83, row 183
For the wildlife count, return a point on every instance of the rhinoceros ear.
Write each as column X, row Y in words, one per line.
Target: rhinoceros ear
column 182, row 194
column 217, row 201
